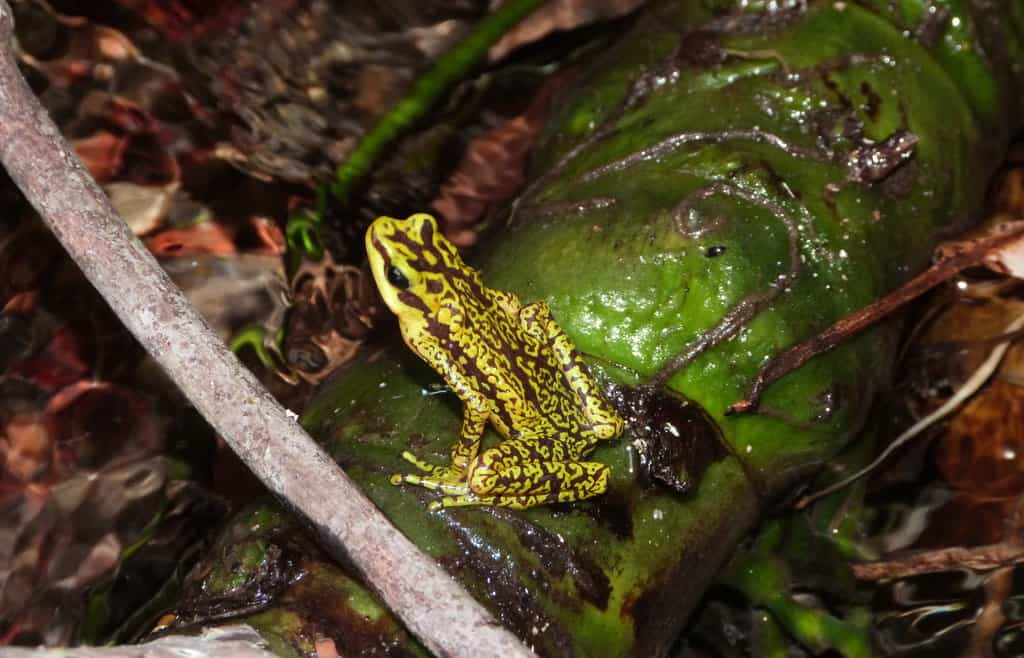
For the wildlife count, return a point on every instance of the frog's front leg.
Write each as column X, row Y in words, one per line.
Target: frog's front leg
column 451, row 479
column 528, row 471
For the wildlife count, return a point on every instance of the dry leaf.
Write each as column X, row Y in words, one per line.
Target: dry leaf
column 560, row 15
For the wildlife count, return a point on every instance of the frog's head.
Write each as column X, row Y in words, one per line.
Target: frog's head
column 412, row 262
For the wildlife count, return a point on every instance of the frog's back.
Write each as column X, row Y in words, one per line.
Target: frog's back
column 527, row 386
column 474, row 336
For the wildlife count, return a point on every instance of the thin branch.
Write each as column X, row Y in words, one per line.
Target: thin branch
column 965, row 256
column 263, row 434
column 982, row 558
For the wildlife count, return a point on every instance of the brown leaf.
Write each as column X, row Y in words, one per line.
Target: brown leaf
column 143, row 208
column 102, row 153
column 982, row 451
column 560, row 15
column 960, row 337
column 60, row 363
column 1008, row 259
column 25, row 447
column 185, row 20
column 946, row 526
column 492, row 169
column 325, row 648
column 203, row 238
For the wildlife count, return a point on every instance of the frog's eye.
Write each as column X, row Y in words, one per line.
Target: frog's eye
column 396, row 278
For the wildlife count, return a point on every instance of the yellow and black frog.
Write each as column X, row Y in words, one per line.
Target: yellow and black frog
column 510, row 364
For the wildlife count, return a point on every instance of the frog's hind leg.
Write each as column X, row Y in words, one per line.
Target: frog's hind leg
column 512, row 502
column 528, row 471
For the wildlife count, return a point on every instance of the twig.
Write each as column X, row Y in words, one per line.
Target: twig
column 1007, row 553
column 970, row 387
column 258, row 429
column 982, row 558
column 858, row 321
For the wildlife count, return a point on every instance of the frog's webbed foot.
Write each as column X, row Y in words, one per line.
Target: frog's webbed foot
column 446, row 479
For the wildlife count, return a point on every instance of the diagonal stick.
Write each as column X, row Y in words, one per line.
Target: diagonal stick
column 430, row 603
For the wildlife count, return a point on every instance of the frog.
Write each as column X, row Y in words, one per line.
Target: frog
column 511, row 366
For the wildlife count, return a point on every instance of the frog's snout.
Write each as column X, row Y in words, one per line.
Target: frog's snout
column 420, row 228
column 382, row 227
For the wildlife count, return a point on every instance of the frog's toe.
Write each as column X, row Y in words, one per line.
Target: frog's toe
column 426, row 467
column 446, row 482
column 465, row 500
column 411, row 478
